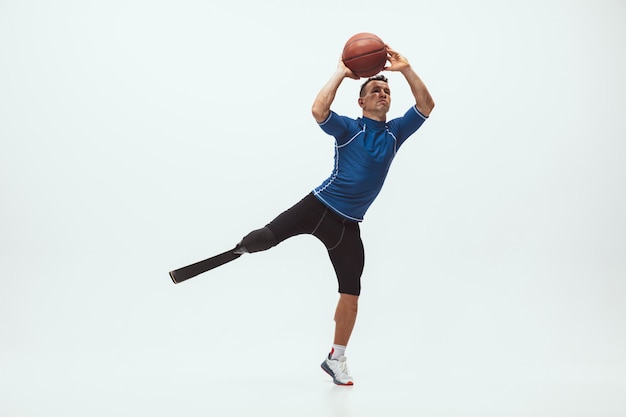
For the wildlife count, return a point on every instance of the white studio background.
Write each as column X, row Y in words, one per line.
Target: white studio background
column 139, row 136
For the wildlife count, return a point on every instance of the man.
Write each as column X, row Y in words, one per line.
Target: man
column 364, row 150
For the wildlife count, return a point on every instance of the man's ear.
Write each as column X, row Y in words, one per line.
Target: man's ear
column 361, row 102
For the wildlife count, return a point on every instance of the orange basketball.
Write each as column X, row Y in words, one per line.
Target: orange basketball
column 365, row 54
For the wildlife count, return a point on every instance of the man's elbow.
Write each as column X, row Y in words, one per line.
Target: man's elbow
column 426, row 107
column 319, row 114
column 431, row 105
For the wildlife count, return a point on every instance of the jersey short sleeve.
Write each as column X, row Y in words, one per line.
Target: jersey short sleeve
column 406, row 125
column 340, row 127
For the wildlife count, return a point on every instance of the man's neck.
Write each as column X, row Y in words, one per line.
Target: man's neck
column 376, row 116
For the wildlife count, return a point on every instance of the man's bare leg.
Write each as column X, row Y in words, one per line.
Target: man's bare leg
column 345, row 317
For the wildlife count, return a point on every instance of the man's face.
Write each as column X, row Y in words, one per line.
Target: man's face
column 377, row 98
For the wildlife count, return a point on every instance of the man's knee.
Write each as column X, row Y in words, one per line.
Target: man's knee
column 256, row 241
column 349, row 301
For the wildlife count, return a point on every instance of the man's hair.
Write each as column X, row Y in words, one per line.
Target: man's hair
column 379, row 77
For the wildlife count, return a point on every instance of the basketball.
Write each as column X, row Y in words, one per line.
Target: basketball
column 365, row 54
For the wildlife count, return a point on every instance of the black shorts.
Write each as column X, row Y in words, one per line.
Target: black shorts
column 342, row 238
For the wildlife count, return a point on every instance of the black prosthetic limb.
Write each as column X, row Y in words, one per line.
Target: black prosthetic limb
column 256, row 241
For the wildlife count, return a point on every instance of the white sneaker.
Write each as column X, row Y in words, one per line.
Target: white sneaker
column 338, row 370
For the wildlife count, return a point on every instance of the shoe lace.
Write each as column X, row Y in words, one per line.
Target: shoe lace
column 343, row 366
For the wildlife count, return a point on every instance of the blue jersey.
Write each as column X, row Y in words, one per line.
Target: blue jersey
column 364, row 149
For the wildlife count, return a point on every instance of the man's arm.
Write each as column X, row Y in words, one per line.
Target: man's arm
column 423, row 100
column 326, row 96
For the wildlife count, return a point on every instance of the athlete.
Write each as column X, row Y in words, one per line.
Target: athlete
column 364, row 150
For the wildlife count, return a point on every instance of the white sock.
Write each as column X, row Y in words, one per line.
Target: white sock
column 337, row 351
